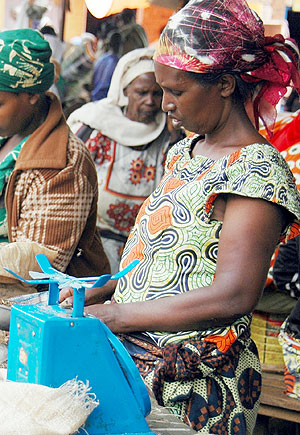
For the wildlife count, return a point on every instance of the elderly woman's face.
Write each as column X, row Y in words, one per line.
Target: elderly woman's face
column 190, row 105
column 144, row 98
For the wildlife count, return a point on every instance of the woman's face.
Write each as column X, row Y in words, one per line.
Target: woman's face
column 15, row 113
column 191, row 105
column 144, row 98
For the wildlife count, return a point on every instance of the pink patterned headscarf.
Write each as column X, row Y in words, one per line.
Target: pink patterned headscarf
column 213, row 36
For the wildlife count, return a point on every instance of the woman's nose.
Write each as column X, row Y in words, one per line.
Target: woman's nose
column 167, row 106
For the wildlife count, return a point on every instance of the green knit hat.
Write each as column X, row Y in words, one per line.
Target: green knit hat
column 25, row 62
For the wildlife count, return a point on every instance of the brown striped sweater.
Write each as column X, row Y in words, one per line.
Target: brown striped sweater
column 51, row 198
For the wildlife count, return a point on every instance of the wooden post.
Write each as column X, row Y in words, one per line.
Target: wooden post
column 62, row 25
column 30, row 3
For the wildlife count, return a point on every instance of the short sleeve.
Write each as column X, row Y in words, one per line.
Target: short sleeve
column 259, row 171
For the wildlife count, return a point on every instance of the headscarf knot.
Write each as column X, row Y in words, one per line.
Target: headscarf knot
column 215, row 36
column 279, row 72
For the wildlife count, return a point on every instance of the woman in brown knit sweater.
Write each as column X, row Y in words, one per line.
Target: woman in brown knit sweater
column 48, row 182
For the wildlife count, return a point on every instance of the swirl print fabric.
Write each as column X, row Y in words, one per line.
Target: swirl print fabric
column 175, row 238
column 210, row 378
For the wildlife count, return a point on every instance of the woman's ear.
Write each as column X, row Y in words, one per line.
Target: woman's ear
column 228, row 84
column 27, row 98
column 33, row 98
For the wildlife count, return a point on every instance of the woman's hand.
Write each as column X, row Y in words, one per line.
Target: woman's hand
column 97, row 295
column 108, row 314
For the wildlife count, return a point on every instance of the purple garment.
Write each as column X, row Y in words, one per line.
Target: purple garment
column 103, row 72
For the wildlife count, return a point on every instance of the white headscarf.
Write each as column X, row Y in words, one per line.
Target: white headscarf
column 107, row 115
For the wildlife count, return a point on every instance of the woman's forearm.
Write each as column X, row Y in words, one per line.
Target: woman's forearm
column 194, row 310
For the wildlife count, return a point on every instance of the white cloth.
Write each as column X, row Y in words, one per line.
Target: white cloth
column 107, row 114
column 31, row 409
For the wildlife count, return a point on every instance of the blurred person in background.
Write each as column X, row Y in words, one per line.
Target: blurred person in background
column 58, row 49
column 77, row 71
column 133, row 34
column 128, row 137
column 105, row 66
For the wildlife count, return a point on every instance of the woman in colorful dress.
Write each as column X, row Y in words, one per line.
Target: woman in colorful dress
column 206, row 235
column 128, row 138
column 48, row 181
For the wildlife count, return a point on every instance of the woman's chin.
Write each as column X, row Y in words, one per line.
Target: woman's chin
column 147, row 118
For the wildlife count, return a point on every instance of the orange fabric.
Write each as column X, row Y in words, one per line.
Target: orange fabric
column 160, row 220
column 172, row 184
column 173, row 161
column 210, row 202
column 234, row 157
column 287, row 132
column 142, row 211
column 136, row 253
column 289, row 381
column 223, row 343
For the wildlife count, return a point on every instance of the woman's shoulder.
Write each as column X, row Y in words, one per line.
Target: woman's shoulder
column 261, row 151
column 184, row 144
column 88, row 114
column 78, row 155
column 261, row 159
column 265, row 148
column 259, row 170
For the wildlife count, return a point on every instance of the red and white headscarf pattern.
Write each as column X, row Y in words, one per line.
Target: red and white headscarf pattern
column 214, row 36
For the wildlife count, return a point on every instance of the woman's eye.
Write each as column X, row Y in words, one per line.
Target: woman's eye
column 176, row 93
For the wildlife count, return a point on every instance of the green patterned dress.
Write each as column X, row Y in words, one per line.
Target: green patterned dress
column 210, row 378
column 6, row 167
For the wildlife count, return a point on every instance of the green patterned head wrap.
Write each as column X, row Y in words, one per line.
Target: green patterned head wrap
column 25, row 62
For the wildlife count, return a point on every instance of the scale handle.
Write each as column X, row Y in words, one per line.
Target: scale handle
column 78, row 298
column 53, row 293
column 78, row 302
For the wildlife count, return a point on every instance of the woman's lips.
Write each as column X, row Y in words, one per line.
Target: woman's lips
column 176, row 123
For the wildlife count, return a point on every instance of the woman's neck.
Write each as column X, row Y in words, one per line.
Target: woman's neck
column 39, row 115
column 237, row 132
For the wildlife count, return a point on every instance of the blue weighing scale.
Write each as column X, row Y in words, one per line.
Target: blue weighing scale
column 49, row 345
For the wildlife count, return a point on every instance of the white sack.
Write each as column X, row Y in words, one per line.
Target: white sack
column 31, row 409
